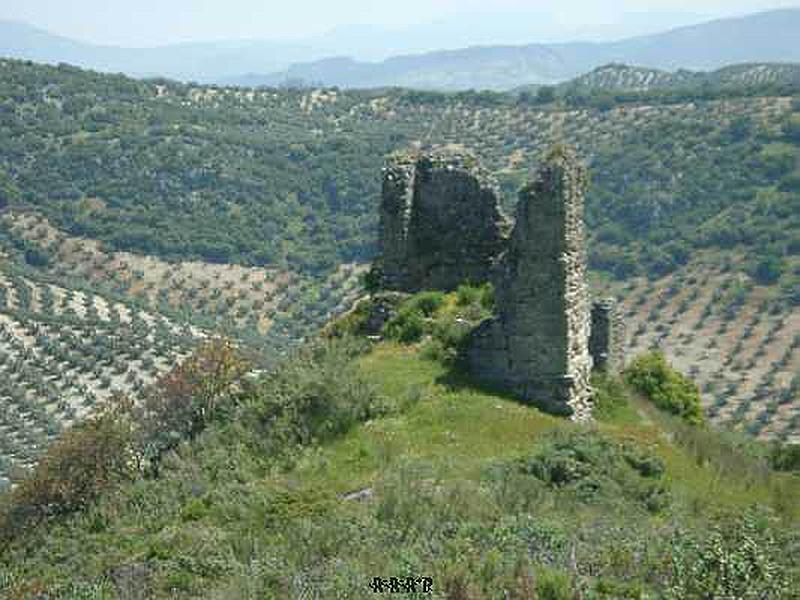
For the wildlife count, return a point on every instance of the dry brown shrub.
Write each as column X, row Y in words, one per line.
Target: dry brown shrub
column 86, row 461
column 181, row 404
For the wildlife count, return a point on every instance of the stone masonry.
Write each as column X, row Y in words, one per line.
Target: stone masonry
column 440, row 222
column 537, row 346
column 607, row 341
column 441, row 225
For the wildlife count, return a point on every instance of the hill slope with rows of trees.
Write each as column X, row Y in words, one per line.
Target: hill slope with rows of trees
column 253, row 212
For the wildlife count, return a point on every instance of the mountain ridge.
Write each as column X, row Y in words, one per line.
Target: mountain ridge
column 761, row 37
column 340, row 59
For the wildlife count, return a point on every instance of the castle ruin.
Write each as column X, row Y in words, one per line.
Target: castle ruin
column 538, row 344
column 441, row 225
column 440, row 222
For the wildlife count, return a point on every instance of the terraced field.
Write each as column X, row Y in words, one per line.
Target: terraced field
column 225, row 297
column 732, row 336
column 63, row 353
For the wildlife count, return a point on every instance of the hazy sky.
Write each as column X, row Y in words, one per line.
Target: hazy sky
column 152, row 22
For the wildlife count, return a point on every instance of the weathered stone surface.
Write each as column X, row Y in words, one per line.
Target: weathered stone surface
column 440, row 222
column 538, row 344
column 607, row 341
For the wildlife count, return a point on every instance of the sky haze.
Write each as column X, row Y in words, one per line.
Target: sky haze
column 160, row 22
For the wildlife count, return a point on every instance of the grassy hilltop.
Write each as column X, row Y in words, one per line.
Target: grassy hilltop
column 359, row 459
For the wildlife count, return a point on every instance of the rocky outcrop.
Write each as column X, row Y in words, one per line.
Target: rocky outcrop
column 607, row 341
column 537, row 346
column 440, row 222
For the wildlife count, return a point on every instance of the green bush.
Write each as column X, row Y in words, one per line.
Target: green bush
column 668, row 389
column 737, row 560
column 591, row 468
column 785, row 457
column 407, row 326
column 482, row 296
column 467, row 294
column 316, row 394
column 427, row 303
column 553, row 585
column 447, row 339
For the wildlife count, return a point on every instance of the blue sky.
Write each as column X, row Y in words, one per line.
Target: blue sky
column 153, row 22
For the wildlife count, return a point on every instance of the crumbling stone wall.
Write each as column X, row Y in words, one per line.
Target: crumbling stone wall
column 607, row 340
column 537, row 346
column 440, row 222
column 440, row 226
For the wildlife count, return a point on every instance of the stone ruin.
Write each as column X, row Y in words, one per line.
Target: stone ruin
column 441, row 225
column 440, row 222
column 538, row 344
column 607, row 340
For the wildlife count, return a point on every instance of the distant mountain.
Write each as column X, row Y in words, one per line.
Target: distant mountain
column 371, row 56
column 216, row 60
column 763, row 37
column 191, row 61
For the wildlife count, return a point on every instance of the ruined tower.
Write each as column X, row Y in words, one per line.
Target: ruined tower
column 440, row 221
column 537, row 346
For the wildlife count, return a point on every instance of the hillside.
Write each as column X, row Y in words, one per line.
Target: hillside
column 354, row 462
column 91, row 324
column 624, row 78
column 253, row 213
column 290, row 178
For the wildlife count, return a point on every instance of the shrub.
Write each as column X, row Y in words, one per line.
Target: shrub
column 427, row 302
column 371, row 280
column 785, row 457
column 553, row 585
column 316, row 394
column 183, row 402
column 737, row 560
column 482, row 296
column 407, row 326
column 668, row 389
column 592, row 468
column 447, row 341
column 467, row 294
column 82, row 464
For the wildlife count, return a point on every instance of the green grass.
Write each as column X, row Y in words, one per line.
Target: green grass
column 224, row 520
column 456, row 431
